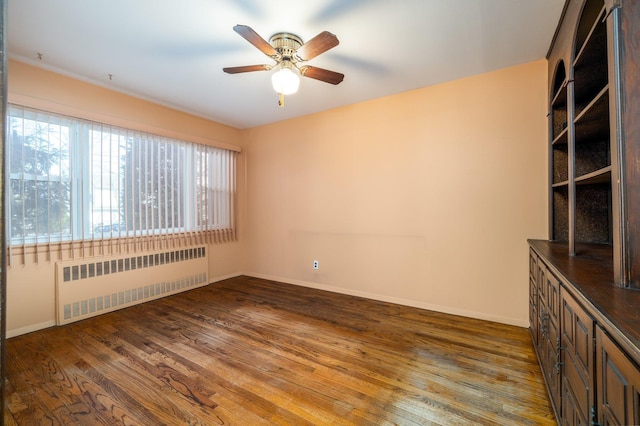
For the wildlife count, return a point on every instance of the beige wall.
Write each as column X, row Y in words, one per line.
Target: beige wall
column 424, row 198
column 34, row 87
column 31, row 282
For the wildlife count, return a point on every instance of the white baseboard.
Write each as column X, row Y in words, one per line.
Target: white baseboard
column 224, row 277
column 399, row 301
column 29, row 329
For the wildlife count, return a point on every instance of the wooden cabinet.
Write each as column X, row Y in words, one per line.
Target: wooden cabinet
column 586, row 334
column 618, row 383
column 594, row 132
column 592, row 257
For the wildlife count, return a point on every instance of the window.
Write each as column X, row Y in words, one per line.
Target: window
column 40, row 182
column 76, row 180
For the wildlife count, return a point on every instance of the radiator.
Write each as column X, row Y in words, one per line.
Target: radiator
column 96, row 285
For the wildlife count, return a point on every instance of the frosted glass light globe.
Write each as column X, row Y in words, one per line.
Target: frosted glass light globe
column 285, row 81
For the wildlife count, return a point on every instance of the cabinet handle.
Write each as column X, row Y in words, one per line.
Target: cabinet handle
column 558, row 356
column 557, row 366
column 546, row 325
column 544, row 322
column 558, row 348
column 594, row 421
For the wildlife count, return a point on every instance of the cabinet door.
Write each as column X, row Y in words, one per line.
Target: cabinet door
column 617, row 384
column 542, row 312
column 533, row 312
column 550, row 361
column 577, row 361
column 533, row 297
column 548, row 331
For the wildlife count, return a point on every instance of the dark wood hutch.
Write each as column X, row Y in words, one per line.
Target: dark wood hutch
column 584, row 299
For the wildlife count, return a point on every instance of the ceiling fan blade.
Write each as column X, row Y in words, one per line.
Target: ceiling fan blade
column 254, row 38
column 246, row 68
column 317, row 45
column 321, row 74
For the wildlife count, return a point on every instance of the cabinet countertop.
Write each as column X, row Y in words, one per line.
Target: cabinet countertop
column 590, row 272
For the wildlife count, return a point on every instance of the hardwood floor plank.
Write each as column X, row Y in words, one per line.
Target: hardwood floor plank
column 42, row 388
column 157, row 377
column 250, row 351
column 158, row 354
column 383, row 356
column 281, row 370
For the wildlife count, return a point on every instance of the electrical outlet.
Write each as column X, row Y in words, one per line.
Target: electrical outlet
column 315, row 264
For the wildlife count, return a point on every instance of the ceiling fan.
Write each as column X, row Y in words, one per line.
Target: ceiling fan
column 288, row 51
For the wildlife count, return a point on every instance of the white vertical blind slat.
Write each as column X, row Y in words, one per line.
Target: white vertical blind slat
column 153, row 173
column 173, row 186
column 139, row 218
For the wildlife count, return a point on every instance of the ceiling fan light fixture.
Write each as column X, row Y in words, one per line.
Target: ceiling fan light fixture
column 285, row 80
column 288, row 50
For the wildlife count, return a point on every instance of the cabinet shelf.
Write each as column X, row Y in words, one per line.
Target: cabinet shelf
column 592, row 136
column 593, row 122
column 561, row 184
column 562, row 138
column 599, row 176
column 560, row 98
column 598, row 107
column 597, row 26
column 591, row 66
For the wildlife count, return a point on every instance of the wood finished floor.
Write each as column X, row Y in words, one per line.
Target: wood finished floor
column 247, row 351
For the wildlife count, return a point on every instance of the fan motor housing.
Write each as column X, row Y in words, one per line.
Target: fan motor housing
column 285, row 44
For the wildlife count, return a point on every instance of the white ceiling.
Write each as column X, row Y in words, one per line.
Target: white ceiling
column 172, row 52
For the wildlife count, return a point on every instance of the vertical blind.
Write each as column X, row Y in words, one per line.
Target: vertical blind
column 74, row 180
